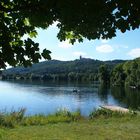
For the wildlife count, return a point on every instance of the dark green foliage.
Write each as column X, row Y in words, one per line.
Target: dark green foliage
column 127, row 74
column 14, row 24
column 118, row 76
column 76, row 20
column 132, row 70
column 104, row 74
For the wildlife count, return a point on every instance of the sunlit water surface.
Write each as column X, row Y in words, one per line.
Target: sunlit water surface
column 48, row 97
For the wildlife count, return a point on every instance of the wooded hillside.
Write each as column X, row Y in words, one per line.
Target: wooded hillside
column 80, row 69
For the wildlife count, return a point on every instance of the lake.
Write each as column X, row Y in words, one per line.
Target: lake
column 47, row 97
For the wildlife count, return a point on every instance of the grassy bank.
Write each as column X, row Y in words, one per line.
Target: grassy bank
column 64, row 125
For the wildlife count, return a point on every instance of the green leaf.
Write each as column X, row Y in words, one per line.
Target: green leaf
column 33, row 34
column 46, row 54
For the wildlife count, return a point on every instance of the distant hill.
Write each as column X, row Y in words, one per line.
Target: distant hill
column 58, row 67
column 63, row 70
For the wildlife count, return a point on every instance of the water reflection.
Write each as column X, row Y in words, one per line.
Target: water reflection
column 103, row 92
column 130, row 98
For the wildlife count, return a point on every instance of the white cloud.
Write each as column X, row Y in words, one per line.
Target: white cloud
column 125, row 47
column 79, row 53
column 105, row 48
column 64, row 44
column 134, row 53
column 104, row 41
column 120, row 46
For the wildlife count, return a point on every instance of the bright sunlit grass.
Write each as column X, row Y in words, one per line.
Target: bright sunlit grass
column 65, row 125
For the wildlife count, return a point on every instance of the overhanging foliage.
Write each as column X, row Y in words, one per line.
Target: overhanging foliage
column 76, row 20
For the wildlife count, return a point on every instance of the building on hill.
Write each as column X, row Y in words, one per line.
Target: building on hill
column 80, row 57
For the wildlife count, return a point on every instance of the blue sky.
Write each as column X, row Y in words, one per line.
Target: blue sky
column 124, row 46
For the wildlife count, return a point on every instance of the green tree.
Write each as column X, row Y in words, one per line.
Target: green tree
column 104, row 76
column 71, row 76
column 133, row 77
column 76, row 20
column 127, row 74
column 118, row 76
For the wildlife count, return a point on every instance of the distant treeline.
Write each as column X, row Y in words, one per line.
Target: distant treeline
column 116, row 73
column 78, row 70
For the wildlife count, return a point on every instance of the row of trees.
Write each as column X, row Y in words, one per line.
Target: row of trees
column 123, row 74
column 127, row 74
column 72, row 76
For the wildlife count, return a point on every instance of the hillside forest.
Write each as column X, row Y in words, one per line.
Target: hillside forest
column 115, row 73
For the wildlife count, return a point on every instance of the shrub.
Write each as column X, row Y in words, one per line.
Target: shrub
column 73, row 116
column 11, row 119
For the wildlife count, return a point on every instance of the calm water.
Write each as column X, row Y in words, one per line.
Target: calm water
column 46, row 97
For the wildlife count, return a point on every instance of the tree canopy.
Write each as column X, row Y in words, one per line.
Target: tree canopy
column 76, row 20
column 127, row 74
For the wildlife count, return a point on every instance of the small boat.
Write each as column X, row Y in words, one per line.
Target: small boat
column 75, row 90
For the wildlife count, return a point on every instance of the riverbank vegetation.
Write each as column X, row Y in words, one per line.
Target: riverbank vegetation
column 100, row 124
column 16, row 118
